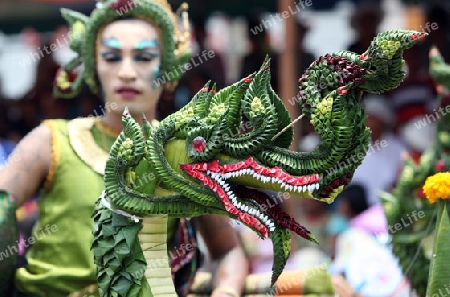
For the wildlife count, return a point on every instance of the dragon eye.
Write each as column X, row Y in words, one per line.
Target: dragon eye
column 199, row 144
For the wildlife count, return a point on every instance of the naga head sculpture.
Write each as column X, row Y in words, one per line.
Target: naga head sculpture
column 383, row 59
column 216, row 154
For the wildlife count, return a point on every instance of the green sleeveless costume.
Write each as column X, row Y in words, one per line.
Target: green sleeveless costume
column 60, row 260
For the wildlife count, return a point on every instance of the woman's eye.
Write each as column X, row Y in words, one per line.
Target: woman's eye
column 146, row 57
column 111, row 57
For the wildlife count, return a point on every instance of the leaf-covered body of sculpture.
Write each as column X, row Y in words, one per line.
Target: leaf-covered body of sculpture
column 201, row 162
column 413, row 243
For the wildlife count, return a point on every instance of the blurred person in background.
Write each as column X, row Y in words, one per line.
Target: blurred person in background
column 437, row 25
column 412, row 101
column 3, row 157
column 365, row 20
column 259, row 48
column 364, row 264
column 212, row 69
column 324, row 224
column 6, row 145
column 309, row 139
column 414, row 129
column 304, row 57
column 379, row 168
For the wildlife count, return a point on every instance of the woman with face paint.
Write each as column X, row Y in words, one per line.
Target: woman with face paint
column 123, row 55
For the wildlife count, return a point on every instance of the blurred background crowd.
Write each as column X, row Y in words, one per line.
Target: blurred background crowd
column 400, row 119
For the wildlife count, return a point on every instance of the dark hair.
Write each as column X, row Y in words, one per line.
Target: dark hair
column 438, row 13
column 356, row 197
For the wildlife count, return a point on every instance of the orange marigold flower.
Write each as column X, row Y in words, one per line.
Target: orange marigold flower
column 437, row 187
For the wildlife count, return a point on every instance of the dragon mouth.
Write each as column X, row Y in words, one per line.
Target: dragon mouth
column 224, row 180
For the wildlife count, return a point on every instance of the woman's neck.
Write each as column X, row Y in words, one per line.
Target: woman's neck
column 114, row 120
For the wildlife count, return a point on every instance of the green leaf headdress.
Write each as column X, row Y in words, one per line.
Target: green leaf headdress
column 84, row 30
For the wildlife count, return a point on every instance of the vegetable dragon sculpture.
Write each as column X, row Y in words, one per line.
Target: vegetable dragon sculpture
column 413, row 245
column 199, row 168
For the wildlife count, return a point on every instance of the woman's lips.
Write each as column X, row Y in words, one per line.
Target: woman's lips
column 128, row 92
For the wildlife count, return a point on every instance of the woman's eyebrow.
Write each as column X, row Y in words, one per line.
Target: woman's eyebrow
column 147, row 44
column 111, row 42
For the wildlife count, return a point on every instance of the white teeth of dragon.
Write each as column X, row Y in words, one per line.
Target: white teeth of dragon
column 272, row 229
column 317, row 186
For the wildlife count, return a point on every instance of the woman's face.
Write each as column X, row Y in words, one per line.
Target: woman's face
column 128, row 60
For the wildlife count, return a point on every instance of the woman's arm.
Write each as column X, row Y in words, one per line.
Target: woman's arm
column 224, row 246
column 26, row 168
column 28, row 165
